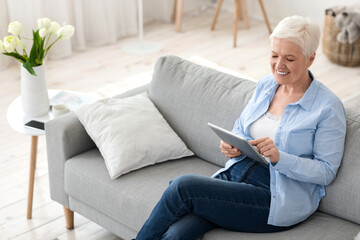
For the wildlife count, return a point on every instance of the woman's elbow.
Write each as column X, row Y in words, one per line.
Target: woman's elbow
column 330, row 176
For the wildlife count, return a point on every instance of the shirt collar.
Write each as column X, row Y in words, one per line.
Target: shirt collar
column 272, row 89
column 307, row 100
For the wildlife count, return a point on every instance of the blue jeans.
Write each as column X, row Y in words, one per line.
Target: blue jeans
column 237, row 199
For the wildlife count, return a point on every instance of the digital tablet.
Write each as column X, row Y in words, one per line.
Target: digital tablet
column 239, row 142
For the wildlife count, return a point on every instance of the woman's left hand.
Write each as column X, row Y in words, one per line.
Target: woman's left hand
column 267, row 148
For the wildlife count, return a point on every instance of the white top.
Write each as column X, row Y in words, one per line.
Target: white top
column 265, row 126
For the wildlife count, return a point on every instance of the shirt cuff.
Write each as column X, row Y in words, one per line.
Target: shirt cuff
column 286, row 162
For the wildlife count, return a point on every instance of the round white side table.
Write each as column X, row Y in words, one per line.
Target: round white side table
column 17, row 118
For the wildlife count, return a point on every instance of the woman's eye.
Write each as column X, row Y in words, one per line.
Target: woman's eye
column 290, row 60
column 274, row 56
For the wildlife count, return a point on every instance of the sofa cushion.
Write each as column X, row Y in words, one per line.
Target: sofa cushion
column 189, row 96
column 319, row 226
column 343, row 195
column 130, row 133
column 130, row 198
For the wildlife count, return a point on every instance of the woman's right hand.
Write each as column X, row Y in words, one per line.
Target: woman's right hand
column 228, row 150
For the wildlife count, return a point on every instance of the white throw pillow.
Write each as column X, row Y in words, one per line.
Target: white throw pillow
column 130, row 133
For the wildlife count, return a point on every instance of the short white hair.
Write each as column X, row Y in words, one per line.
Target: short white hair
column 302, row 31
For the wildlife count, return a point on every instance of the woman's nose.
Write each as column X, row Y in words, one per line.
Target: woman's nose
column 280, row 63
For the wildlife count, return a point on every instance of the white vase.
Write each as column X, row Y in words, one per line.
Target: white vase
column 34, row 93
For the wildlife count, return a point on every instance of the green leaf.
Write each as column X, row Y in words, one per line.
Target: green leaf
column 41, row 50
column 28, row 67
column 33, row 51
column 36, row 50
column 16, row 55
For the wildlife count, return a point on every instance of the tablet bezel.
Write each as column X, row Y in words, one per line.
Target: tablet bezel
column 239, row 142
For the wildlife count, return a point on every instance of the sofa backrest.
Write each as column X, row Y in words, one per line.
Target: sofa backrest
column 343, row 195
column 189, row 96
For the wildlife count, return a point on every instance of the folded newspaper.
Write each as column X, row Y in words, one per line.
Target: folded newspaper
column 73, row 100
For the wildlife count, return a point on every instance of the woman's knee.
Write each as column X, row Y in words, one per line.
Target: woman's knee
column 184, row 184
column 177, row 233
column 184, row 181
column 190, row 227
column 172, row 234
column 188, row 186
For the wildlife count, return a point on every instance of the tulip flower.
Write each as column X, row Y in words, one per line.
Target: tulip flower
column 54, row 27
column 43, row 32
column 15, row 28
column 10, row 43
column 44, row 23
column 66, row 32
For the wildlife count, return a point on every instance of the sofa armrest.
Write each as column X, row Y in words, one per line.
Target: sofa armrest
column 65, row 138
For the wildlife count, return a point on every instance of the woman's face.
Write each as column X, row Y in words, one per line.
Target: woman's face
column 288, row 64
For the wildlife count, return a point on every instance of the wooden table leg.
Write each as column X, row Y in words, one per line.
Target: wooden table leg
column 216, row 14
column 236, row 19
column 69, row 218
column 178, row 16
column 34, row 143
column 265, row 16
column 173, row 15
column 243, row 8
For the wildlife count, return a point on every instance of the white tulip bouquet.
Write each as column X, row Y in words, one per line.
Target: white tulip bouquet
column 41, row 42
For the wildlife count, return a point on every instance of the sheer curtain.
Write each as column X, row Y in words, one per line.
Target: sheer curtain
column 97, row 22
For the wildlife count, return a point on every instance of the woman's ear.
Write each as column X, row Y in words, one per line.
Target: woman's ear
column 311, row 59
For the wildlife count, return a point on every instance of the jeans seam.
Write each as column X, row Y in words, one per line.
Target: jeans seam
column 248, row 174
column 249, row 165
column 222, row 200
column 173, row 217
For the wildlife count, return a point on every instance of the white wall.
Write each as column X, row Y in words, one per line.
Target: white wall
column 279, row 9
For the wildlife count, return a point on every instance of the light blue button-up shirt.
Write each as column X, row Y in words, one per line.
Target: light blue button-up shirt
column 310, row 140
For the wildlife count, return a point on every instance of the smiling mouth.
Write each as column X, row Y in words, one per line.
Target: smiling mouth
column 282, row 73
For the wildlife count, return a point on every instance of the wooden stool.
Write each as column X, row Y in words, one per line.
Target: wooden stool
column 240, row 12
column 177, row 14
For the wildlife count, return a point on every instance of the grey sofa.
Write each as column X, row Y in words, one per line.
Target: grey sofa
column 188, row 96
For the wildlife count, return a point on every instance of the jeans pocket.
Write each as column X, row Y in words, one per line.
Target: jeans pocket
column 258, row 175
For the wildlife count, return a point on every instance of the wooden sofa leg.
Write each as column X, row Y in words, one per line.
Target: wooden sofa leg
column 69, row 218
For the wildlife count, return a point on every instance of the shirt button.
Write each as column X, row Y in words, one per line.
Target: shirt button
column 273, row 183
column 274, row 196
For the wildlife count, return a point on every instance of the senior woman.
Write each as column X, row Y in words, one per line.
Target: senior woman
column 294, row 121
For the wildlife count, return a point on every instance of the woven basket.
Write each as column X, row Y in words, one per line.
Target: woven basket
column 345, row 54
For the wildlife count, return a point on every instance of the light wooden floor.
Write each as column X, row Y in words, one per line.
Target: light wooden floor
column 106, row 71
